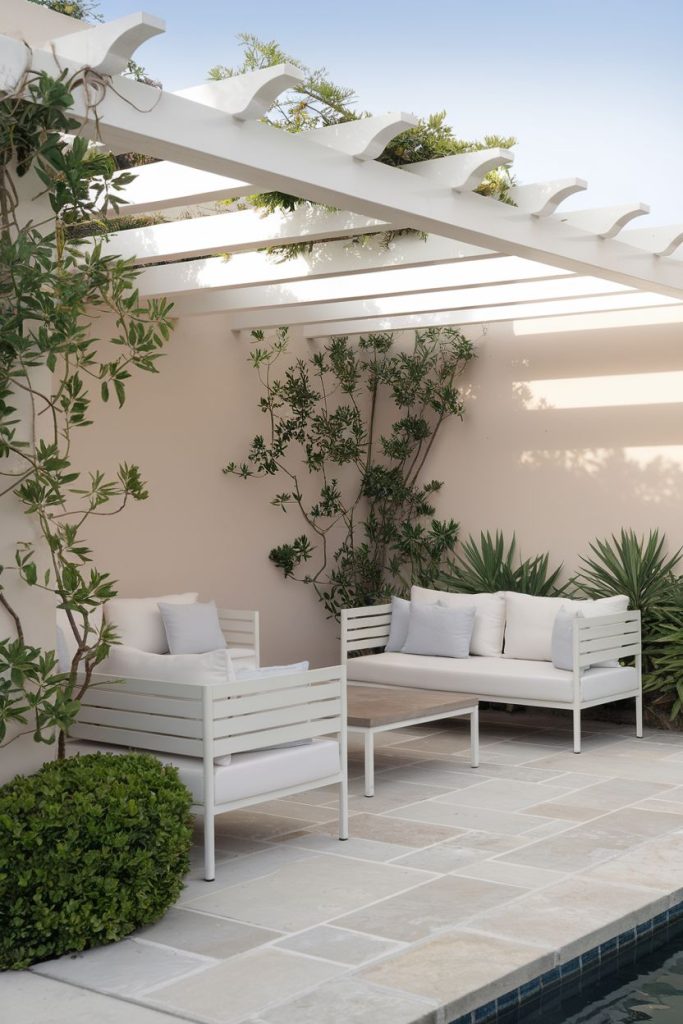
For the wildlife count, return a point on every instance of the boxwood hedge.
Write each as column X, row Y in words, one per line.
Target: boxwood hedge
column 91, row 848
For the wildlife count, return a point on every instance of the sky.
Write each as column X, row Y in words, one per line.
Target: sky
column 590, row 89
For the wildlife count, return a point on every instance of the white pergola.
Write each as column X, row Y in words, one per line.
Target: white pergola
column 482, row 262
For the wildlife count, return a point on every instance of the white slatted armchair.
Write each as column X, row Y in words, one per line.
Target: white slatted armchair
column 504, row 679
column 235, row 744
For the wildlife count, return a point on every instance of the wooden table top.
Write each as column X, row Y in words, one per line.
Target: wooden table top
column 371, row 706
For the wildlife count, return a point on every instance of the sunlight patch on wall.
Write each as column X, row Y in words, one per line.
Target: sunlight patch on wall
column 609, row 391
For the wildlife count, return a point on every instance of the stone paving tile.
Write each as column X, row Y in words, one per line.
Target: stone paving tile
column 500, row 795
column 244, row 985
column 353, row 1001
column 305, row 893
column 361, row 849
column 123, row 968
column 459, row 964
column 416, row 914
column 234, row 872
column 455, row 816
column 577, row 911
column 510, row 874
column 254, row 824
column 205, row 934
column 656, row 865
column 401, row 830
column 30, row 999
column 340, row 945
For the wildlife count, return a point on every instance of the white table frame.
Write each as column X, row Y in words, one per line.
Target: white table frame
column 369, row 733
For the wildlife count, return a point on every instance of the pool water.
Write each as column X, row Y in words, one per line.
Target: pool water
column 647, row 985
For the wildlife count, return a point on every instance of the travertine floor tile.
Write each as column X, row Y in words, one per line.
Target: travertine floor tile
column 398, row 830
column 208, row 935
column 416, row 914
column 339, row 944
column 455, row 816
column 28, row 998
column 458, row 964
column 353, row 1001
column 244, row 985
column 305, row 893
column 127, row 968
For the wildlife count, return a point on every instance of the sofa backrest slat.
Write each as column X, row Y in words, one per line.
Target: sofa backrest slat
column 136, row 738
column 275, row 736
column 275, row 699
column 122, row 698
column 143, row 721
column 363, row 628
column 240, row 628
column 256, row 722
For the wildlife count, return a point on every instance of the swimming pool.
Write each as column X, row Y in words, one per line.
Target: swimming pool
column 643, row 984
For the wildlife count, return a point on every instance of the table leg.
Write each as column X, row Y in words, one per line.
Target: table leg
column 474, row 737
column 369, row 763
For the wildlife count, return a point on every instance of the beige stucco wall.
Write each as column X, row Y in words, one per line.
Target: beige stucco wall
column 557, row 476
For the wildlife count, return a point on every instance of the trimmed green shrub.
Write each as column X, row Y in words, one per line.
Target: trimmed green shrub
column 91, row 848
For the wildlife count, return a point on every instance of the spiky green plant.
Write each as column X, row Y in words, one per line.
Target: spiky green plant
column 489, row 564
column 629, row 564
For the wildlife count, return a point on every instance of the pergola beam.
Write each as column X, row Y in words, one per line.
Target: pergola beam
column 494, row 314
column 328, row 259
column 236, row 232
column 407, row 302
column 199, row 136
column 379, row 284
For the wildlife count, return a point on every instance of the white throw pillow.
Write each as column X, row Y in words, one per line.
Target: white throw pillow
column 400, row 615
column 529, row 621
column 436, row 631
column 489, row 616
column 131, row 663
column 192, row 628
column 138, row 621
column 562, row 643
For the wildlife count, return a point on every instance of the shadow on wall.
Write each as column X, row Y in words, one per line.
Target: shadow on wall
column 569, row 437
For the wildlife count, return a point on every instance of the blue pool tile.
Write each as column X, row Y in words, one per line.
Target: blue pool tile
column 660, row 920
column 626, row 938
column 643, row 929
column 571, row 967
column 550, row 978
column 590, row 957
column 466, row 1019
column 509, row 1000
column 676, row 912
column 529, row 989
column 609, row 948
column 485, row 1013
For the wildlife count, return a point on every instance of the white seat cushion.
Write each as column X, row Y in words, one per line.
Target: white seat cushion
column 130, row 663
column 243, row 657
column 489, row 677
column 256, row 773
column 489, row 616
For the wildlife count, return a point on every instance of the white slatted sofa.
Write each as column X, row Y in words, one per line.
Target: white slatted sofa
column 235, row 744
column 506, row 680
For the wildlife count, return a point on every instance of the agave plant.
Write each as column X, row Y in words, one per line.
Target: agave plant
column 631, row 565
column 488, row 565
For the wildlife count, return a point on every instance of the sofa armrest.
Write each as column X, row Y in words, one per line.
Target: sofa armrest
column 605, row 638
column 364, row 628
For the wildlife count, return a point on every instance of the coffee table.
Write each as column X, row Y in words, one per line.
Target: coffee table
column 373, row 709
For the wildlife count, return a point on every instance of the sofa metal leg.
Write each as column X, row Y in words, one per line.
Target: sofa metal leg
column 209, row 848
column 344, row 809
column 639, row 715
column 369, row 763
column 474, row 737
column 577, row 730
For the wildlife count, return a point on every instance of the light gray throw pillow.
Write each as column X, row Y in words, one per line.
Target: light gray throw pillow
column 400, row 615
column 562, row 642
column 439, row 632
column 192, row 628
